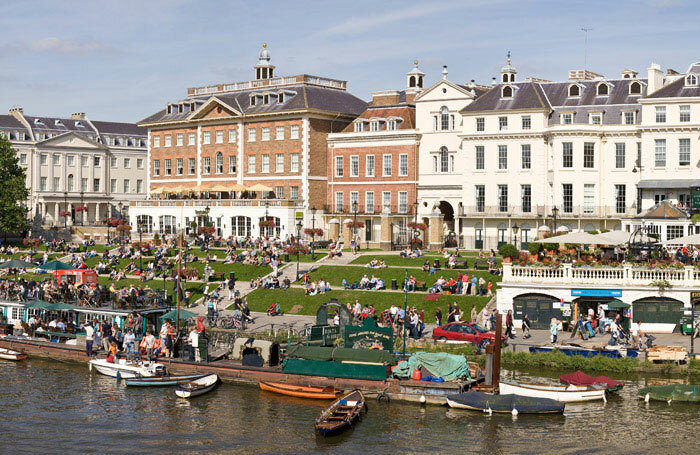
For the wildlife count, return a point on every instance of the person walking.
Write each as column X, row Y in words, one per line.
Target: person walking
column 509, row 324
column 438, row 317
column 89, row 339
column 553, row 330
column 129, row 343
column 526, row 327
column 473, row 315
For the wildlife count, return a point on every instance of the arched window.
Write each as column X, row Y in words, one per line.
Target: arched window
column 444, row 118
column 71, row 182
column 444, row 160
column 507, row 92
column 412, row 81
column 512, row 77
column 635, row 88
column 505, row 78
column 420, row 81
column 691, row 79
column 603, row 89
column 574, row 90
column 219, row 163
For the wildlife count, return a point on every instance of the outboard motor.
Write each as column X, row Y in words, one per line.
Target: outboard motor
column 160, row 370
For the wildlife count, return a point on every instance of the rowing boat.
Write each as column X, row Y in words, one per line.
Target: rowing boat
column 9, row 354
column 126, row 370
column 197, row 387
column 558, row 392
column 504, row 404
column 675, row 392
column 342, row 414
column 161, row 381
column 581, row 378
column 318, row 393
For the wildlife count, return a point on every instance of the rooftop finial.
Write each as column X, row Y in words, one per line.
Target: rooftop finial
column 415, row 63
column 507, row 54
column 444, row 71
column 265, row 47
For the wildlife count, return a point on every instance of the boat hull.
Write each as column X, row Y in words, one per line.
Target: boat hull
column 165, row 381
column 8, row 354
column 341, row 414
column 504, row 404
column 571, row 351
column 564, row 394
column 669, row 393
column 198, row 387
column 122, row 370
column 317, row 393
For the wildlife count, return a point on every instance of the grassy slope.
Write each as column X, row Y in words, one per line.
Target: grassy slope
column 395, row 260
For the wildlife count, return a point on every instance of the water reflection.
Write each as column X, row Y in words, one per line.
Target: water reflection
column 59, row 407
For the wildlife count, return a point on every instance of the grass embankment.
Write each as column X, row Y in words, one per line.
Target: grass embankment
column 261, row 299
column 336, row 274
column 398, row 261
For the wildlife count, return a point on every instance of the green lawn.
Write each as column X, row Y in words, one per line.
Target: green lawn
column 335, row 274
column 396, row 260
column 261, row 299
column 196, row 289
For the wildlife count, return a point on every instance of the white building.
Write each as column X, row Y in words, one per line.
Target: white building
column 75, row 162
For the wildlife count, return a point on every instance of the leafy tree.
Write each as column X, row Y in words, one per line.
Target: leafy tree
column 13, row 213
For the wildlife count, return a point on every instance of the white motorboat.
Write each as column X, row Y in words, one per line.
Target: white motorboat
column 197, row 387
column 559, row 392
column 9, row 354
column 124, row 370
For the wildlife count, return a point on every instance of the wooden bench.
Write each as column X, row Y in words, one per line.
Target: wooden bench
column 421, row 286
column 481, row 264
column 217, row 276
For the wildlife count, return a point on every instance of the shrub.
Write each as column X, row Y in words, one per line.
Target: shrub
column 156, row 239
column 508, row 251
column 534, row 248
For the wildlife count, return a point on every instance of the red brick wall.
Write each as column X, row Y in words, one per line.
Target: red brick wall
column 173, row 153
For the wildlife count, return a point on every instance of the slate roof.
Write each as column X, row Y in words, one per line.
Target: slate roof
column 48, row 124
column 526, row 95
column 297, row 97
column 676, row 89
column 8, row 121
column 405, row 112
column 118, row 128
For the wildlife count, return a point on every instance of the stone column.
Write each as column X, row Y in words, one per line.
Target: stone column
column 55, row 213
column 347, row 235
column 435, row 231
column 97, row 213
column 69, row 209
column 385, row 232
column 333, row 229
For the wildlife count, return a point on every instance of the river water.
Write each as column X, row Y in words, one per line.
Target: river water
column 55, row 407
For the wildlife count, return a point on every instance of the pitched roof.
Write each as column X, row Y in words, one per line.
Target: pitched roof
column 664, row 210
column 526, row 95
column 129, row 129
column 58, row 125
column 676, row 89
column 406, row 113
column 8, row 121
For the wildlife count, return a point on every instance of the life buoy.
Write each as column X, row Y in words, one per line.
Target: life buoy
column 382, row 395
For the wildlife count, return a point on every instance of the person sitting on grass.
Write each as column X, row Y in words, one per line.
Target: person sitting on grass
column 373, row 264
column 405, row 253
column 380, row 285
column 426, row 265
column 286, row 283
column 411, row 285
column 451, row 262
column 382, row 264
column 364, row 282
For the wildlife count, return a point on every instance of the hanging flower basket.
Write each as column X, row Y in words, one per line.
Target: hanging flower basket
column 267, row 223
column 67, row 214
column 417, row 226
column 294, row 250
column 355, row 224
column 206, row 230
column 81, row 208
column 31, row 242
column 313, row 232
column 123, row 228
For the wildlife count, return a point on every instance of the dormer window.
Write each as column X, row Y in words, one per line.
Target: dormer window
column 603, row 89
column 58, row 123
column 507, row 92
column 574, row 91
column 252, row 100
column 169, row 109
column 280, row 98
column 635, row 88
column 266, row 99
column 79, row 125
column 595, row 118
column 691, row 79
column 391, row 125
column 359, row 127
column 374, row 125
column 37, row 121
column 193, row 107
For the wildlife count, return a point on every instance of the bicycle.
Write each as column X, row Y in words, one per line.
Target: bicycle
column 230, row 322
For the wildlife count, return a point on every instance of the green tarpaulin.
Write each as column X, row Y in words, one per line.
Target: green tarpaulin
column 341, row 354
column 172, row 315
column 335, row 369
column 48, row 306
column 56, row 265
column 442, row 365
column 617, row 304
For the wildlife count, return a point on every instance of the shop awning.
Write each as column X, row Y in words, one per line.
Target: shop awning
column 617, row 305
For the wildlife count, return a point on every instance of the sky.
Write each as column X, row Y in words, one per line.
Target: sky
column 123, row 60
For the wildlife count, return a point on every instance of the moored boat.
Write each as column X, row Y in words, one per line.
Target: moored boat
column 9, row 354
column 688, row 393
column 318, row 393
column 563, row 393
column 197, row 387
column 161, row 381
column 504, row 404
column 581, row 378
column 608, row 351
column 125, row 370
column 342, row 414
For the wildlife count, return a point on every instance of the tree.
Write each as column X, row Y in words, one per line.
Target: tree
column 13, row 212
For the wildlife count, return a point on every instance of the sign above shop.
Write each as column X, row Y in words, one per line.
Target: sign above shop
column 596, row 293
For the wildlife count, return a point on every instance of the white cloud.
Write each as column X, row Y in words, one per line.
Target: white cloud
column 57, row 45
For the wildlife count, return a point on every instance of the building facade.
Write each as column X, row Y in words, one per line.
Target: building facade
column 76, row 162
column 232, row 155
column 373, row 171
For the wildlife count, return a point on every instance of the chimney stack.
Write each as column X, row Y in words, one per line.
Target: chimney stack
column 655, row 78
column 78, row 115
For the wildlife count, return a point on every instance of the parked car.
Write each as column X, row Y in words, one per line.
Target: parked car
column 464, row 331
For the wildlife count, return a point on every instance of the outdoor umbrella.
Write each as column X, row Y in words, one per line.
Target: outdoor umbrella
column 259, row 187
column 578, row 238
column 56, row 265
column 17, row 264
column 621, row 237
column 172, row 314
column 693, row 239
column 617, row 305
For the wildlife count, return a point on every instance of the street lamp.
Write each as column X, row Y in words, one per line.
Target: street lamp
column 298, row 246
column 354, row 226
column 415, row 222
column 313, row 228
column 267, row 228
column 120, row 205
column 65, row 208
column 138, row 226
column 82, row 208
column 515, row 228
column 555, row 212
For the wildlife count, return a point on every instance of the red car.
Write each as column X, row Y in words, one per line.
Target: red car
column 464, row 331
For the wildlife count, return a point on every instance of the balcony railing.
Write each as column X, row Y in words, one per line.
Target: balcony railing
column 577, row 211
column 626, row 274
column 375, row 209
column 218, row 203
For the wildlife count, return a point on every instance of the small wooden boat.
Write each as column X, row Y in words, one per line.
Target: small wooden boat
column 9, row 354
column 161, row 381
column 197, row 387
column 615, row 352
column 558, row 392
column 581, row 378
column 125, row 370
column 504, row 404
column 318, row 393
column 688, row 393
column 342, row 414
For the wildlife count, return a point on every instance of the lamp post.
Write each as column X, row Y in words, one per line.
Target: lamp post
column 515, row 228
column 138, row 226
column 555, row 212
column 298, row 246
column 354, row 226
column 65, row 209
column 415, row 222
column 267, row 228
column 313, row 228
column 82, row 208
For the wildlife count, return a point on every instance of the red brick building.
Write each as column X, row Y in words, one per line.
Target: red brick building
column 373, row 170
column 235, row 153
